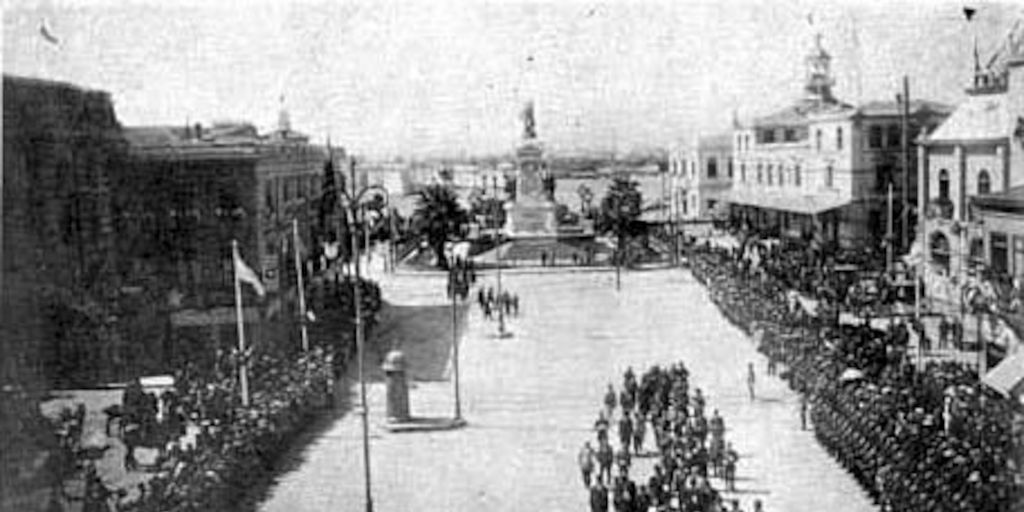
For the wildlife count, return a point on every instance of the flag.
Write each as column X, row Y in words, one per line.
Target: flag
column 246, row 274
column 47, row 35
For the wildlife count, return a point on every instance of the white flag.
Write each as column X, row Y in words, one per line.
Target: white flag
column 246, row 274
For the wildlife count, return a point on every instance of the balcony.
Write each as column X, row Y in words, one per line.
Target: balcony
column 940, row 208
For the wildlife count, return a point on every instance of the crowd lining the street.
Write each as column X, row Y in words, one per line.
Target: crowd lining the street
column 930, row 440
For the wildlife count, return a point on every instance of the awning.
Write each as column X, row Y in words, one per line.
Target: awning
column 1007, row 375
column 803, row 204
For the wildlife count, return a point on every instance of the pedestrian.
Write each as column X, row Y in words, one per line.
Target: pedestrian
column 605, row 458
column 625, row 431
column 757, row 506
column 609, row 400
column 750, row 380
column 731, row 459
column 598, row 497
column 487, row 310
column 639, row 432
column 586, row 462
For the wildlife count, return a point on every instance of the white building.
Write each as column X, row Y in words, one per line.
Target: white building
column 701, row 175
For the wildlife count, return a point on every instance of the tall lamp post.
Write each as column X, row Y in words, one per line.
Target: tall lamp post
column 459, row 280
column 354, row 206
column 502, row 333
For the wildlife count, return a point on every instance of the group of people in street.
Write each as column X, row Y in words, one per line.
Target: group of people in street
column 690, row 448
column 916, row 439
column 492, row 303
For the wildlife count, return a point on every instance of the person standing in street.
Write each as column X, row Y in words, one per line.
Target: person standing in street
column 609, row 401
column 605, row 459
column 625, row 431
column 750, row 380
column 598, row 497
column 639, row 431
column 586, row 462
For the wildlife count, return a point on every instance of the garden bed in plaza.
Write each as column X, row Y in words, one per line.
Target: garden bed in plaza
column 917, row 439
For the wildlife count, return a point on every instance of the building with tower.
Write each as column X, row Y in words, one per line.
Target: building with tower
column 971, row 175
column 822, row 169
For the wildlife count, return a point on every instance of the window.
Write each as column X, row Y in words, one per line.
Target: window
column 712, row 168
column 944, row 185
column 789, row 135
column 712, row 204
column 895, row 135
column 817, row 140
column 984, row 183
column 768, row 136
column 839, row 139
column 875, row 137
column 730, row 167
column 760, row 178
column 829, row 176
column 998, row 252
column 287, row 190
column 743, row 172
column 796, row 175
column 746, row 141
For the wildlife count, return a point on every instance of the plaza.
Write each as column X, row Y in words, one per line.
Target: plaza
column 531, row 400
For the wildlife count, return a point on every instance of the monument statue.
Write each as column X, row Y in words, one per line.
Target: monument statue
column 532, row 214
column 529, row 123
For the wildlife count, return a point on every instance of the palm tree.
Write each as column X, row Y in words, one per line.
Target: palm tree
column 438, row 218
column 620, row 210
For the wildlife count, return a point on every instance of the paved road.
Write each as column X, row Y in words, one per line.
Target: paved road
column 531, row 400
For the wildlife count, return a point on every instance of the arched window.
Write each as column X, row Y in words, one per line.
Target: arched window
column 944, row 184
column 839, row 138
column 769, row 174
column 760, row 178
column 829, row 176
column 730, row 167
column 743, row 172
column 796, row 175
column 712, row 168
column 984, row 183
column 940, row 251
column 817, row 140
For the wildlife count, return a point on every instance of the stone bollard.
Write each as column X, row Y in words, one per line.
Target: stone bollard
column 397, row 387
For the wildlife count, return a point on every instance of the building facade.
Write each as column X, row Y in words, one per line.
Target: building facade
column 60, row 291
column 700, row 177
column 822, row 168
column 977, row 152
column 184, row 195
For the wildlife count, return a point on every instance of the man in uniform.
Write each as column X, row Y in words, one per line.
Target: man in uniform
column 598, row 497
column 586, row 462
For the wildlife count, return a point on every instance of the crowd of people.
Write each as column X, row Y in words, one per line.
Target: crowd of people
column 689, row 448
column 929, row 439
column 493, row 304
column 236, row 446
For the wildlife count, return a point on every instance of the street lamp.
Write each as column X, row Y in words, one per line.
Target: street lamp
column 354, row 206
column 459, row 280
column 502, row 333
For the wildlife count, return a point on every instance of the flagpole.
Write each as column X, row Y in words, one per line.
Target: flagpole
column 301, row 289
column 243, row 374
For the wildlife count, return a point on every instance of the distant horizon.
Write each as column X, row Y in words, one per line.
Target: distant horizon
column 446, row 79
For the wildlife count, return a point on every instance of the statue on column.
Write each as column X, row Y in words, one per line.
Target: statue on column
column 529, row 123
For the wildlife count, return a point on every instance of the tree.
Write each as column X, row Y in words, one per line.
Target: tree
column 620, row 210
column 438, row 218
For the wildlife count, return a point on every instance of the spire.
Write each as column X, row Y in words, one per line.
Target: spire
column 818, row 88
column 284, row 123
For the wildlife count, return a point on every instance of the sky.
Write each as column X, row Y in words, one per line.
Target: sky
column 431, row 78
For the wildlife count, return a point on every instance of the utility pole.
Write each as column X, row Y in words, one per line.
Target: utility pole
column 360, row 342
column 905, row 163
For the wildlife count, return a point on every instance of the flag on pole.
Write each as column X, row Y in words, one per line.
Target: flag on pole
column 246, row 274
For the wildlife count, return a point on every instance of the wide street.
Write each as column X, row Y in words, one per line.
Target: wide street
column 531, row 400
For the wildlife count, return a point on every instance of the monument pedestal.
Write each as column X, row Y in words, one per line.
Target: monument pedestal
column 530, row 219
column 532, row 214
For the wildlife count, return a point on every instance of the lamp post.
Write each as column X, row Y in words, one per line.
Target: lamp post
column 459, row 280
column 352, row 210
column 502, row 333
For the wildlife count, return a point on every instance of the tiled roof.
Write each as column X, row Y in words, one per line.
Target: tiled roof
column 979, row 117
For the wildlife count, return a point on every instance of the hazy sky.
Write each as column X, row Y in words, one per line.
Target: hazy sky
column 441, row 77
